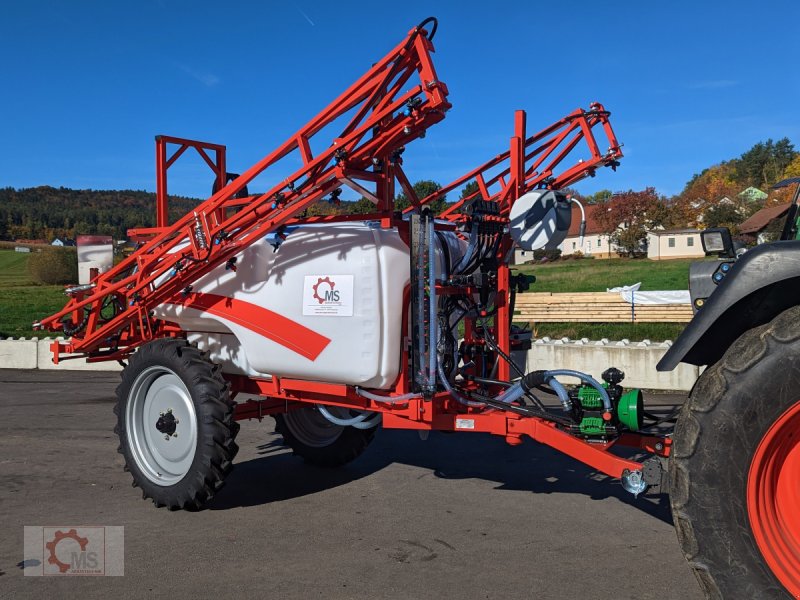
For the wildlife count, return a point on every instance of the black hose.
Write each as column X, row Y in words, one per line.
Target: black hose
column 432, row 33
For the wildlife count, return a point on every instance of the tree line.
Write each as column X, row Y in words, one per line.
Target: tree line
column 48, row 212
column 698, row 204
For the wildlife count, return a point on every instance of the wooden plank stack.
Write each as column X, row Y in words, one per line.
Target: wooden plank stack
column 595, row 307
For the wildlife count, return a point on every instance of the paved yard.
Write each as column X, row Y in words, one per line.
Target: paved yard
column 457, row 516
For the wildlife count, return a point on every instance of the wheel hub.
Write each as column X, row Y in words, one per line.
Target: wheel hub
column 158, row 405
column 773, row 495
column 167, row 423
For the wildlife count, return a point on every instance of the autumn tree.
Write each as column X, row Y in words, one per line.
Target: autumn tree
column 712, row 184
column 628, row 216
column 793, row 168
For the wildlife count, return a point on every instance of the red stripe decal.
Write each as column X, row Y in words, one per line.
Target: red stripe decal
column 262, row 321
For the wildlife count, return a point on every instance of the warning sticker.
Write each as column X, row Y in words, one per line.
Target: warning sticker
column 328, row 295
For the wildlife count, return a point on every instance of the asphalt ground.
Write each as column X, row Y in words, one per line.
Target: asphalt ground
column 457, row 516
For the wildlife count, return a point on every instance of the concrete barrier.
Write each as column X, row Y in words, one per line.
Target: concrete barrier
column 18, row 354
column 636, row 359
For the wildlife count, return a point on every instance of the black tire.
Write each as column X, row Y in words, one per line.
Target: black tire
column 719, row 429
column 209, row 435
column 340, row 446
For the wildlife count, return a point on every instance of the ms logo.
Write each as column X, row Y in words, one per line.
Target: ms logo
column 324, row 291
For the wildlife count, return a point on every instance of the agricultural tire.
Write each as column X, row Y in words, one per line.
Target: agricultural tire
column 735, row 467
column 175, row 424
column 318, row 441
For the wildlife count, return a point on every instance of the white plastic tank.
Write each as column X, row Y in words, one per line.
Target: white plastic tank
column 327, row 306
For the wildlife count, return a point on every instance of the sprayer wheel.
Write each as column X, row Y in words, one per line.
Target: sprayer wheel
column 734, row 467
column 175, row 424
column 320, row 442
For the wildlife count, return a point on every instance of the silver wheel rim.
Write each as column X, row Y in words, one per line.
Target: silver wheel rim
column 309, row 427
column 163, row 459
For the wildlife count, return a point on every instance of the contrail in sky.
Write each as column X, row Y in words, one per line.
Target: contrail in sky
column 300, row 10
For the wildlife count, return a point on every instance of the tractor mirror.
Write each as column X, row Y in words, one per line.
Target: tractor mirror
column 717, row 241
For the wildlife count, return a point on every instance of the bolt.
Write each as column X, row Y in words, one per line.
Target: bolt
column 659, row 446
column 175, row 434
column 166, row 436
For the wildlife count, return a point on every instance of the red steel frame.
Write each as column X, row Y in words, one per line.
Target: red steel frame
column 163, row 163
column 384, row 119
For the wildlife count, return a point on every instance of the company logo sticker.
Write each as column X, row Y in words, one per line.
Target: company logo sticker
column 328, row 295
column 72, row 550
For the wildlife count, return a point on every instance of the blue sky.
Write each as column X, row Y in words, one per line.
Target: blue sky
column 86, row 85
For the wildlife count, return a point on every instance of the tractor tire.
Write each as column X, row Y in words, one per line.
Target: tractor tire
column 175, row 424
column 735, row 467
column 320, row 442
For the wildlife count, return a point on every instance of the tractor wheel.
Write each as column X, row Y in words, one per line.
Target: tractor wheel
column 320, row 442
column 735, row 467
column 175, row 424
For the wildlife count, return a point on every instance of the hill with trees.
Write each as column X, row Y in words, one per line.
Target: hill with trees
column 49, row 212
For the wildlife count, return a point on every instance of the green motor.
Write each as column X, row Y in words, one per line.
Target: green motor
column 630, row 408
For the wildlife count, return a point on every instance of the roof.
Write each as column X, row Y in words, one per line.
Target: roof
column 753, row 193
column 762, row 218
column 786, row 182
column 592, row 226
column 673, row 231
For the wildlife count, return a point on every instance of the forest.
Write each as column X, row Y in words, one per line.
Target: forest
column 49, row 212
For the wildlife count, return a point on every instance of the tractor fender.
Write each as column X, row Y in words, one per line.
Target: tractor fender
column 764, row 282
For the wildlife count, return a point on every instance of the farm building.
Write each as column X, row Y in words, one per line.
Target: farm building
column 665, row 244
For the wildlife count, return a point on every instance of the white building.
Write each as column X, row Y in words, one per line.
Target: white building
column 665, row 244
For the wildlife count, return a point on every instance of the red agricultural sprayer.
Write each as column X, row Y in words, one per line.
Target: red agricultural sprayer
column 341, row 324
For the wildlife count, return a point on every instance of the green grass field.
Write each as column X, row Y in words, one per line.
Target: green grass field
column 600, row 275
column 22, row 301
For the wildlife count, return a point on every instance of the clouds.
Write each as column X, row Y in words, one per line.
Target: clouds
column 203, row 77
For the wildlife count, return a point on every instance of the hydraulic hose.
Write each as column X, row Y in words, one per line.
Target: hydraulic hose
column 359, row 421
column 387, row 399
column 538, row 378
column 468, row 252
column 582, row 230
column 586, row 379
column 451, row 391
